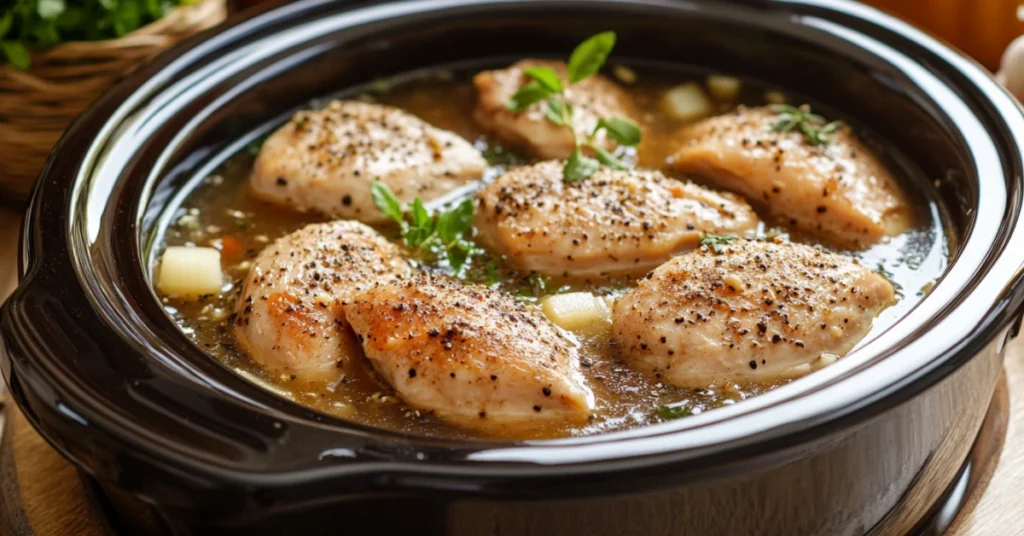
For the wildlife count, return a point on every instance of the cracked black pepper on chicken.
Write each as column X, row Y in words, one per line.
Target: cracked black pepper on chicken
column 728, row 253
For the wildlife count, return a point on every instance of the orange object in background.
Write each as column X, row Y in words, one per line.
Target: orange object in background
column 980, row 28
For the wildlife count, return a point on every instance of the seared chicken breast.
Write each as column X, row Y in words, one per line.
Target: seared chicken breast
column 839, row 192
column 325, row 160
column 472, row 355
column 756, row 311
column 288, row 317
column 611, row 223
column 591, row 99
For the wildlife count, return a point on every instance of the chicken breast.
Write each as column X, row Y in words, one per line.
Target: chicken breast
column 529, row 130
column 839, row 192
column 288, row 317
column 755, row 311
column 611, row 223
column 325, row 160
column 473, row 355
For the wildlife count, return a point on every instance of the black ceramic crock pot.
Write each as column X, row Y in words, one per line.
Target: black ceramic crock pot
column 866, row 445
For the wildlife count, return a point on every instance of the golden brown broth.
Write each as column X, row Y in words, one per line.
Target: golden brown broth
column 222, row 207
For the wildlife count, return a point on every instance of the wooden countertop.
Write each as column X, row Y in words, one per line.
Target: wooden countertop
column 10, row 227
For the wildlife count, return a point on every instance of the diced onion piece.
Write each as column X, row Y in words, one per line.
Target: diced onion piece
column 190, row 272
column 687, row 102
column 576, row 310
column 723, row 88
column 824, row 360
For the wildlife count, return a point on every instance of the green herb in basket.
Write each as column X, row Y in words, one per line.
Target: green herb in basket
column 27, row 25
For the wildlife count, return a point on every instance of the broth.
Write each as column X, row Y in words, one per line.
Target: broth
column 220, row 212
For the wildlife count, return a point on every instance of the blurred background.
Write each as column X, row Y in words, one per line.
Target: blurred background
column 981, row 28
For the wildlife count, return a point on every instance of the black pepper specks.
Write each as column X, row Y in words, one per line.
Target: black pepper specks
column 491, row 347
column 616, row 220
column 793, row 294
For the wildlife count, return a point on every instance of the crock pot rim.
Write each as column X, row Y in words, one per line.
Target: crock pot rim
column 1005, row 300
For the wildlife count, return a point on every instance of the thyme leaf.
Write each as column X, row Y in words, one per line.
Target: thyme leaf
column 590, row 55
column 579, row 167
column 811, row 125
column 609, row 159
column 717, row 242
column 669, row 413
column 546, row 77
column 526, row 96
column 623, row 131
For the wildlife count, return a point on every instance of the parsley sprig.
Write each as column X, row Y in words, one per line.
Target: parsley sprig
column 442, row 233
column 717, row 242
column 811, row 125
column 548, row 86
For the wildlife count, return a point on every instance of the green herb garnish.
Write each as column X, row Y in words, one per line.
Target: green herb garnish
column 255, row 146
column 496, row 155
column 890, row 277
column 39, row 24
column 669, row 413
column 811, row 125
column 546, row 85
column 492, row 274
column 442, row 233
column 717, row 242
column 532, row 286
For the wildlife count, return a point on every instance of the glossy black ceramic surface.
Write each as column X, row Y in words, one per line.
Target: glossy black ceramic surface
column 867, row 444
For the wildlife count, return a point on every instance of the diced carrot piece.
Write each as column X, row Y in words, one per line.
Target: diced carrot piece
column 231, row 250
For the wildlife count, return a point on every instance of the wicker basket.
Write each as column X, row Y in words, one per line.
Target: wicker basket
column 36, row 106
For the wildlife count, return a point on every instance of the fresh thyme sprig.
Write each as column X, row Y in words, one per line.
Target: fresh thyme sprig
column 811, row 125
column 717, row 242
column 445, row 232
column 547, row 85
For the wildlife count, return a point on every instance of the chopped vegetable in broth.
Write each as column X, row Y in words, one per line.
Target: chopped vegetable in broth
column 221, row 213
